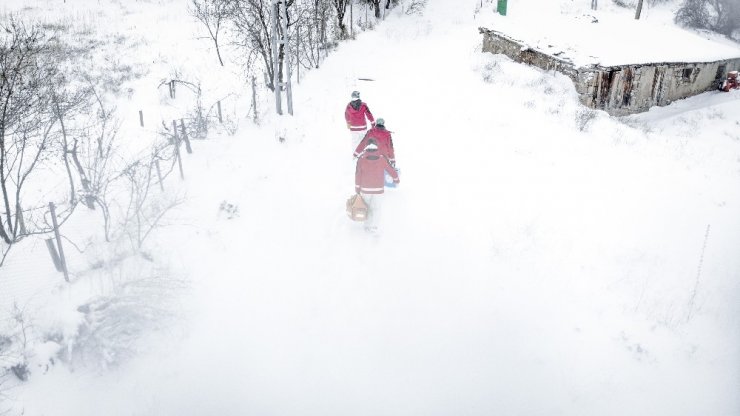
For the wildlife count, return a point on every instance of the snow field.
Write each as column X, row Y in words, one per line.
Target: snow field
column 523, row 266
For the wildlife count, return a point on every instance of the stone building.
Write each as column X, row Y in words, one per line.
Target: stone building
column 620, row 89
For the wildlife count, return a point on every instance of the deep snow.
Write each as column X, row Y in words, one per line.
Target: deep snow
column 609, row 36
column 523, row 266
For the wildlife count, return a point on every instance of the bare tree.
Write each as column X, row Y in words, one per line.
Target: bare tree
column 376, row 7
column 340, row 6
column 25, row 123
column 721, row 16
column 251, row 21
column 311, row 19
column 66, row 105
column 213, row 14
column 253, row 30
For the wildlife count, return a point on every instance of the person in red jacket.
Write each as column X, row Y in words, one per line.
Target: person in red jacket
column 383, row 139
column 355, row 115
column 370, row 182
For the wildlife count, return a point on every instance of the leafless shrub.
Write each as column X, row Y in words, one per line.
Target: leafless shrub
column 416, row 7
column 584, row 118
column 213, row 14
column 230, row 126
column 8, row 360
column 366, row 25
column 636, row 124
column 15, row 331
column 198, row 117
column 622, row 3
column 132, row 208
column 490, row 70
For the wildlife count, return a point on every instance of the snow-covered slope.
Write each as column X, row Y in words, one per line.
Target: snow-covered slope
column 608, row 36
column 537, row 257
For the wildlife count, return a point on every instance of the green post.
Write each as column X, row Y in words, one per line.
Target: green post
column 501, row 7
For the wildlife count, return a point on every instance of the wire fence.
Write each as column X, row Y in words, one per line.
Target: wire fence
column 42, row 259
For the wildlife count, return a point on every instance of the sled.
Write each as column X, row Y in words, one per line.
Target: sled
column 357, row 208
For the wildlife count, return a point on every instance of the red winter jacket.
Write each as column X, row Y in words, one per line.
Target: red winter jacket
column 383, row 139
column 369, row 177
column 355, row 114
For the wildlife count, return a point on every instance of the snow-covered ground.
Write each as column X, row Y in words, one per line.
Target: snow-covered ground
column 609, row 36
column 537, row 258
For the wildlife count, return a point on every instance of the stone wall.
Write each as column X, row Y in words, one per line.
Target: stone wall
column 620, row 90
column 497, row 42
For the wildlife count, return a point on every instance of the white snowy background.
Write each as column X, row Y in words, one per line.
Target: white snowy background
column 538, row 258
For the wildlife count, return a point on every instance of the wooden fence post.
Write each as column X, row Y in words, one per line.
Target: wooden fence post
column 185, row 137
column 220, row 118
column 21, row 222
column 54, row 255
column 62, row 260
column 141, row 118
column 254, row 99
column 177, row 149
column 159, row 174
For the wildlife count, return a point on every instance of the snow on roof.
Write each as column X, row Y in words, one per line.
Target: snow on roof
column 609, row 39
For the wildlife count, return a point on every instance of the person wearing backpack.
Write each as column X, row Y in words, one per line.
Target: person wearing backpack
column 355, row 114
column 370, row 182
column 383, row 139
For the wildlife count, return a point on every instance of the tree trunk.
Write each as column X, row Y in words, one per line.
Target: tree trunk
column 218, row 52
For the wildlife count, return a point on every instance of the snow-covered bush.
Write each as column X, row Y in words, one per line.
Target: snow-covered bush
column 416, row 7
column 228, row 210
column 632, row 4
column 114, row 324
column 198, row 119
column 693, row 13
column 13, row 350
column 5, row 372
column 489, row 71
column 584, row 118
column 721, row 16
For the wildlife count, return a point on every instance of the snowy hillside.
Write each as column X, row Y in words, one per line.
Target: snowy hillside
column 609, row 36
column 538, row 257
